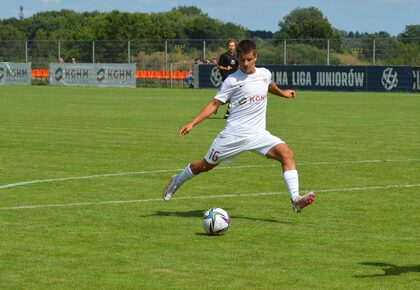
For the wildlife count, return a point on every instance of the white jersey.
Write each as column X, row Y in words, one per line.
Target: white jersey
column 247, row 94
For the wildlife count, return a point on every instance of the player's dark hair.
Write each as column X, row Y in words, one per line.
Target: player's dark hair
column 229, row 41
column 246, row 46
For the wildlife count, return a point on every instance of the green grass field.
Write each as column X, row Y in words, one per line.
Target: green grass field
column 82, row 172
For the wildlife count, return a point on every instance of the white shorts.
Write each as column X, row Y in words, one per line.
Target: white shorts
column 226, row 147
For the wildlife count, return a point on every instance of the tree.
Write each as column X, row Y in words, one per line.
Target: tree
column 306, row 23
column 411, row 34
column 8, row 32
column 11, row 44
column 203, row 27
column 263, row 34
column 189, row 10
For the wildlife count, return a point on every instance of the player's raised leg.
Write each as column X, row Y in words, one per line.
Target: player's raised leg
column 176, row 181
column 192, row 170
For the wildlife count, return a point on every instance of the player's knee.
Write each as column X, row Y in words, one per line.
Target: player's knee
column 201, row 166
column 287, row 154
column 207, row 166
column 281, row 153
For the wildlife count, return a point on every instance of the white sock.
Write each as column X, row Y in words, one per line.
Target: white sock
column 185, row 175
column 291, row 180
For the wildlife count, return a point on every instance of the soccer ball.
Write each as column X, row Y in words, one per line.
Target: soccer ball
column 216, row 221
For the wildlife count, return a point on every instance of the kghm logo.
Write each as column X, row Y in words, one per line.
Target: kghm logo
column 215, row 77
column 76, row 73
column 253, row 99
column 100, row 75
column 113, row 74
column 58, row 74
column 389, row 79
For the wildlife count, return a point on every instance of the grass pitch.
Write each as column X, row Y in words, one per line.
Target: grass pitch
column 82, row 172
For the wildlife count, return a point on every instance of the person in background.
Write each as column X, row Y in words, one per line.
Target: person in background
column 228, row 61
column 189, row 78
column 228, row 64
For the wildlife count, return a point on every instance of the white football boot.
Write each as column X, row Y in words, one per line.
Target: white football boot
column 303, row 201
column 171, row 188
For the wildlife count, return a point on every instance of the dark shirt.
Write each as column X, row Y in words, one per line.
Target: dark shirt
column 227, row 59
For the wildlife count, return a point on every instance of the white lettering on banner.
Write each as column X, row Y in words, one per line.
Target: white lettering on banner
column 340, row 79
column 216, row 77
column 389, row 79
column 416, row 80
column 347, row 77
column 301, row 78
column 280, row 77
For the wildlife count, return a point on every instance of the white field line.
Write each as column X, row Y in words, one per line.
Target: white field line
column 86, row 177
column 204, row 197
column 21, row 183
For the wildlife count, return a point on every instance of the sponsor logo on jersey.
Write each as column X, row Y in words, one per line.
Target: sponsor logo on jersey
column 253, row 99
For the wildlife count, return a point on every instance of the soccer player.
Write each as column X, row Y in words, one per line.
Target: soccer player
column 245, row 129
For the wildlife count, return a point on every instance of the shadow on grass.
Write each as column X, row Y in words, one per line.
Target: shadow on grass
column 199, row 214
column 389, row 269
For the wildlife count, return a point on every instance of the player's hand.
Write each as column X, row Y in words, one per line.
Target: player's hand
column 289, row 93
column 185, row 129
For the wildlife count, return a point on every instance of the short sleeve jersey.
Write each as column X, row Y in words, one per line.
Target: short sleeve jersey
column 247, row 94
column 227, row 59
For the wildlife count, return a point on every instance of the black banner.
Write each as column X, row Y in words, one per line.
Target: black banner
column 207, row 76
column 334, row 78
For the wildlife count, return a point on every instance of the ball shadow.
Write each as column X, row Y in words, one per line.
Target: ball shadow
column 199, row 214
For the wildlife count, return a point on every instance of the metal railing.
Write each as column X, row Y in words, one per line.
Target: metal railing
column 160, row 54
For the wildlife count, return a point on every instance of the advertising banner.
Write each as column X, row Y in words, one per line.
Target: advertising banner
column 389, row 78
column 206, row 76
column 12, row 73
column 334, row 78
column 88, row 74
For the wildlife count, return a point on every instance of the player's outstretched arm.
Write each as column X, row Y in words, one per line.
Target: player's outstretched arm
column 274, row 89
column 208, row 110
